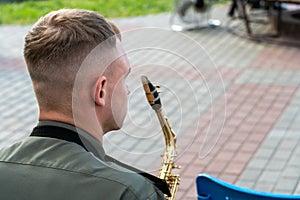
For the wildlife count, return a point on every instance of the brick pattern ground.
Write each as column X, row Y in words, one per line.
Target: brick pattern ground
column 236, row 112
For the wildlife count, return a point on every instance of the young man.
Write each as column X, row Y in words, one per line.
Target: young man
column 78, row 71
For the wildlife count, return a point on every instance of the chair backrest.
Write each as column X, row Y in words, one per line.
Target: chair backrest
column 211, row 188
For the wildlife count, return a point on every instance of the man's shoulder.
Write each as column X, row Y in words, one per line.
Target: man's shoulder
column 70, row 159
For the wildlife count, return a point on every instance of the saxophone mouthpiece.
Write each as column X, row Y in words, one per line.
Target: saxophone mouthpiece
column 145, row 80
column 151, row 93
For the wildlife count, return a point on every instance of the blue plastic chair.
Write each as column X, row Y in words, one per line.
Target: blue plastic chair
column 211, row 188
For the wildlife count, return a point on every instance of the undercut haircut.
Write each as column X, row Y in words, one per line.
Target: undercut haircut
column 55, row 48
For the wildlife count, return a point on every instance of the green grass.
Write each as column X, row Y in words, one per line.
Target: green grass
column 27, row 12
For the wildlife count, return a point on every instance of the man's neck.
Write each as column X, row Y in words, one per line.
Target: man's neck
column 83, row 124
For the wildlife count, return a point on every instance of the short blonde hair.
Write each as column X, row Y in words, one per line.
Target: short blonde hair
column 55, row 48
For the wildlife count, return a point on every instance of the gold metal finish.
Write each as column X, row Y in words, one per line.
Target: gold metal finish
column 170, row 140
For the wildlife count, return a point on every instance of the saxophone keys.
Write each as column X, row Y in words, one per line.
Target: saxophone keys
column 176, row 167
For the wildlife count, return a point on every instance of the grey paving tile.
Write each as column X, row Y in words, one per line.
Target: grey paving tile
column 12, row 40
column 282, row 154
column 286, row 185
column 264, row 152
column 270, row 177
column 245, row 184
column 276, row 165
column 263, row 186
column 257, row 164
column 291, row 172
column 251, row 175
column 297, row 190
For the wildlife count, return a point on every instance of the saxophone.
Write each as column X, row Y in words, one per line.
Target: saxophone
column 170, row 140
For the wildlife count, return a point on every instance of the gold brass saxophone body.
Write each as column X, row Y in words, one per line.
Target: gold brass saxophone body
column 170, row 139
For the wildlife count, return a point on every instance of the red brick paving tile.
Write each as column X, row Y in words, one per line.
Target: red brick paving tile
column 282, row 99
column 274, row 58
column 232, row 146
column 186, row 183
column 262, row 128
column 222, row 140
column 246, row 127
column 257, row 114
column 277, row 108
column 189, row 148
column 240, row 114
column 224, row 155
column 234, row 121
column 208, row 73
column 227, row 131
column 186, row 142
column 273, row 114
column 275, row 89
column 250, row 120
column 191, row 193
column 194, row 148
column 216, row 166
column 214, row 174
column 288, row 90
column 249, row 146
column 235, row 168
column 190, row 171
column 238, row 98
column 252, row 101
column 243, row 157
column 12, row 63
column 246, row 86
column 245, row 108
column 199, row 165
column 231, row 108
column 180, row 193
column 203, row 162
column 239, row 137
column 211, row 172
column 268, row 120
column 258, row 93
column 186, row 159
column 255, row 138
column 269, row 97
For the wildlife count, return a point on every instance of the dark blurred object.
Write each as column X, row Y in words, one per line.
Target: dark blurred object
column 285, row 17
column 199, row 5
column 232, row 8
column 255, row 4
column 193, row 15
column 182, row 8
column 11, row 1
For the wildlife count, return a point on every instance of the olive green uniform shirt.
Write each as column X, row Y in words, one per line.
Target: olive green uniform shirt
column 41, row 168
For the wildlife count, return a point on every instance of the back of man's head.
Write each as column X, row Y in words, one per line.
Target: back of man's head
column 55, row 48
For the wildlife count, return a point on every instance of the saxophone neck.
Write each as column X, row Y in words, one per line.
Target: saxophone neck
column 170, row 136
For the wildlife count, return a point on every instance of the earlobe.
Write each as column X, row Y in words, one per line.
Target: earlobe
column 100, row 91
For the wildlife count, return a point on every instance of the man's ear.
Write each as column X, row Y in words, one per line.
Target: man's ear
column 100, row 91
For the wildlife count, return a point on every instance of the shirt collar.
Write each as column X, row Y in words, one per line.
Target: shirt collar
column 89, row 142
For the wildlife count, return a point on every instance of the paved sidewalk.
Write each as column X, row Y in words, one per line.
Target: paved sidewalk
column 233, row 103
